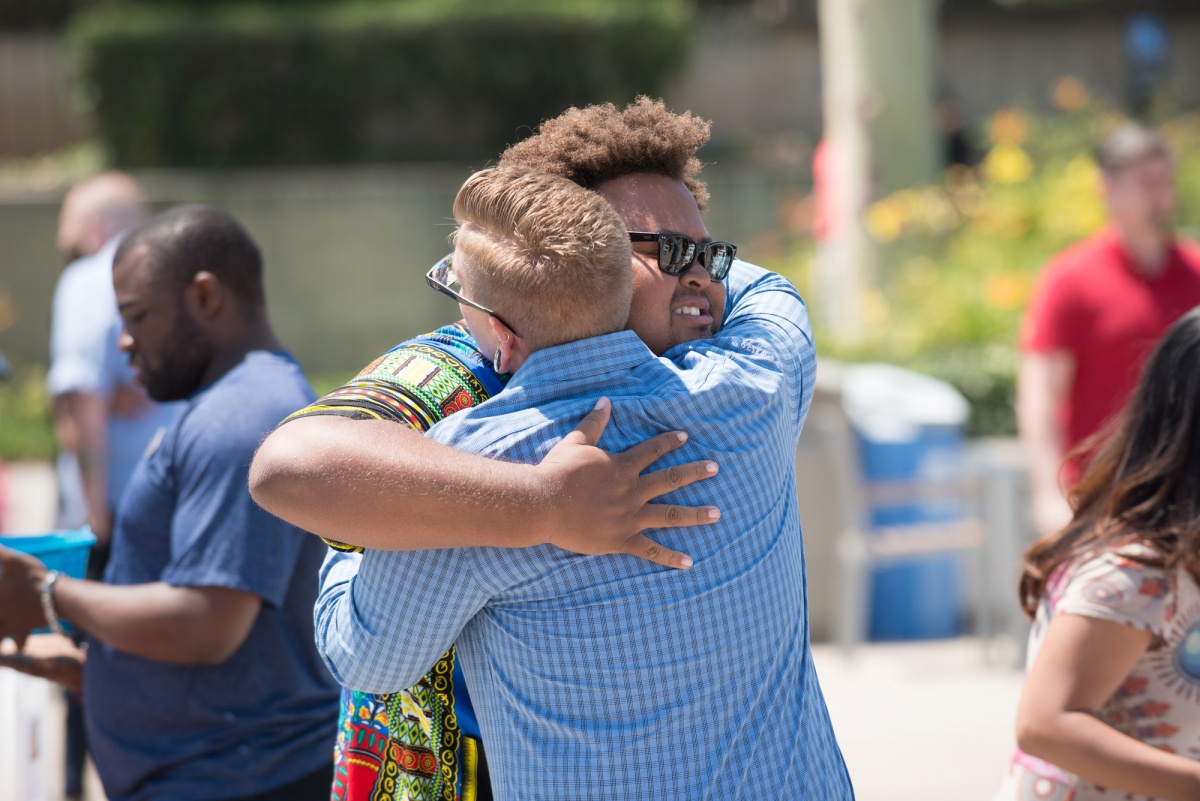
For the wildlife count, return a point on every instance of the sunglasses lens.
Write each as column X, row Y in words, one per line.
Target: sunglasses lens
column 720, row 259
column 675, row 254
column 449, row 279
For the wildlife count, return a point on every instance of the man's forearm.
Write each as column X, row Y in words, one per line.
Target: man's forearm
column 82, row 420
column 177, row 625
column 1043, row 384
column 382, row 485
column 365, row 643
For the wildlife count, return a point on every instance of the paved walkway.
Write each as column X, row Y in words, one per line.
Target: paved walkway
column 925, row 721
column 922, row 721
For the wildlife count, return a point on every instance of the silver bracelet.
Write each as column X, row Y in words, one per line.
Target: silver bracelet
column 47, row 598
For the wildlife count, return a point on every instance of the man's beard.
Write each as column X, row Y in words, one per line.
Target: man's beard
column 182, row 364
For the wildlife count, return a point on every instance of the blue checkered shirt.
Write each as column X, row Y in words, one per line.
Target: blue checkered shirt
column 608, row 677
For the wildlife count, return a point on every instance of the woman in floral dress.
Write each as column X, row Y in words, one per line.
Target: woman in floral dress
column 1111, row 704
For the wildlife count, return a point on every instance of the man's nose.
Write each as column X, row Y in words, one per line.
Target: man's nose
column 125, row 341
column 695, row 277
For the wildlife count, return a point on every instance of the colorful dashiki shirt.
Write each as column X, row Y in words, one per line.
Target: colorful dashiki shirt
column 422, row 743
column 1159, row 702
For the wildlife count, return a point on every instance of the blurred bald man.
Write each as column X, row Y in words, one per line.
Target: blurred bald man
column 103, row 421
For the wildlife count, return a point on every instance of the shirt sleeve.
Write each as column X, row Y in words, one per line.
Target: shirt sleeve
column 383, row 618
column 1056, row 317
column 83, row 332
column 766, row 317
column 414, row 384
column 219, row 536
column 1121, row 589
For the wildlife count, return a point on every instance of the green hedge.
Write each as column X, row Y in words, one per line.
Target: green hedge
column 242, row 84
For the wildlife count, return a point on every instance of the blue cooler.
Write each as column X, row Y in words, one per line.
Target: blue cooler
column 64, row 551
column 910, row 430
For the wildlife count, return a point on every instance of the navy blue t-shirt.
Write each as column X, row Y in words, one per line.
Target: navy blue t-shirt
column 267, row 715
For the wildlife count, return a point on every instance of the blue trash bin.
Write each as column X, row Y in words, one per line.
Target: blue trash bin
column 910, row 429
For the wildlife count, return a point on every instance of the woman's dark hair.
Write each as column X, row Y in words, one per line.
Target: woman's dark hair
column 1144, row 481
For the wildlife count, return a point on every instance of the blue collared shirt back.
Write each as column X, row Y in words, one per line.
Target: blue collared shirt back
column 607, row 676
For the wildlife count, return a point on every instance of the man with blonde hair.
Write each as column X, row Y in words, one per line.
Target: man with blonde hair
column 600, row 676
column 530, row 237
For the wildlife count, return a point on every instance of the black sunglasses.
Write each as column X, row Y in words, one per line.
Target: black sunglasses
column 442, row 278
column 676, row 253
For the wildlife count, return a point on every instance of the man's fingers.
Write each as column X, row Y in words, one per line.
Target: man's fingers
column 649, row 451
column 660, row 482
column 642, row 546
column 665, row 515
column 592, row 425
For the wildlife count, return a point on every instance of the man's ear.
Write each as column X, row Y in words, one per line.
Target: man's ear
column 510, row 345
column 205, row 295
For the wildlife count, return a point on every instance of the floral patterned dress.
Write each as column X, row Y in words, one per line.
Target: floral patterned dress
column 1159, row 701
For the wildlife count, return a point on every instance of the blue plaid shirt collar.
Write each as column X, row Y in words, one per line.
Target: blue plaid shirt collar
column 577, row 361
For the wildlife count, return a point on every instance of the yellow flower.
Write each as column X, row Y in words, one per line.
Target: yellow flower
column 1005, row 291
column 885, row 221
column 1007, row 164
column 1070, row 94
column 1073, row 206
column 1008, row 127
column 937, row 210
column 875, row 310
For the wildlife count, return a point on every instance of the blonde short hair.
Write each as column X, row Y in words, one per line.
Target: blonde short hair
column 548, row 255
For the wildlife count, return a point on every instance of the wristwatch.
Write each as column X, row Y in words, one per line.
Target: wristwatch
column 47, row 598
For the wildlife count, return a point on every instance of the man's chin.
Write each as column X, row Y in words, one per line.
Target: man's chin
column 691, row 335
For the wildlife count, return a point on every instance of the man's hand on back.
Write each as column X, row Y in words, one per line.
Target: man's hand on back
column 601, row 502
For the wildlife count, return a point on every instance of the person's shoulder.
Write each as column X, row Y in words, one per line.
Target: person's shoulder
column 256, row 394
column 1131, row 561
column 1189, row 253
column 438, row 367
column 1079, row 260
column 86, row 276
column 1125, row 583
column 1078, row 276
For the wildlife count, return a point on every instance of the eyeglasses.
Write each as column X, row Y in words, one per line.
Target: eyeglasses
column 676, row 253
column 442, row 278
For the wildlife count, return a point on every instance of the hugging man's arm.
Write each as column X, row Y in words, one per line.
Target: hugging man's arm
column 357, row 477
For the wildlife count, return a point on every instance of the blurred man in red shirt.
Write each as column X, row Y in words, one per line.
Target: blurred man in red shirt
column 1098, row 310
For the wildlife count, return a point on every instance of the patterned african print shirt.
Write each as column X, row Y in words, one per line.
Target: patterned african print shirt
column 422, row 743
column 1159, row 701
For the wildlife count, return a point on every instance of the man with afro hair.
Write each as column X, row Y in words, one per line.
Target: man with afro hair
column 346, row 478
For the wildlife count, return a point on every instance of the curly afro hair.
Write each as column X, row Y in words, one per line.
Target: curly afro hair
column 594, row 144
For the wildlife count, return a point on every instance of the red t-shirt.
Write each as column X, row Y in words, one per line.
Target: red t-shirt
column 1092, row 301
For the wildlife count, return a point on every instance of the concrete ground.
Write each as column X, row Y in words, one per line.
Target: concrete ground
column 923, row 721
column 916, row 721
